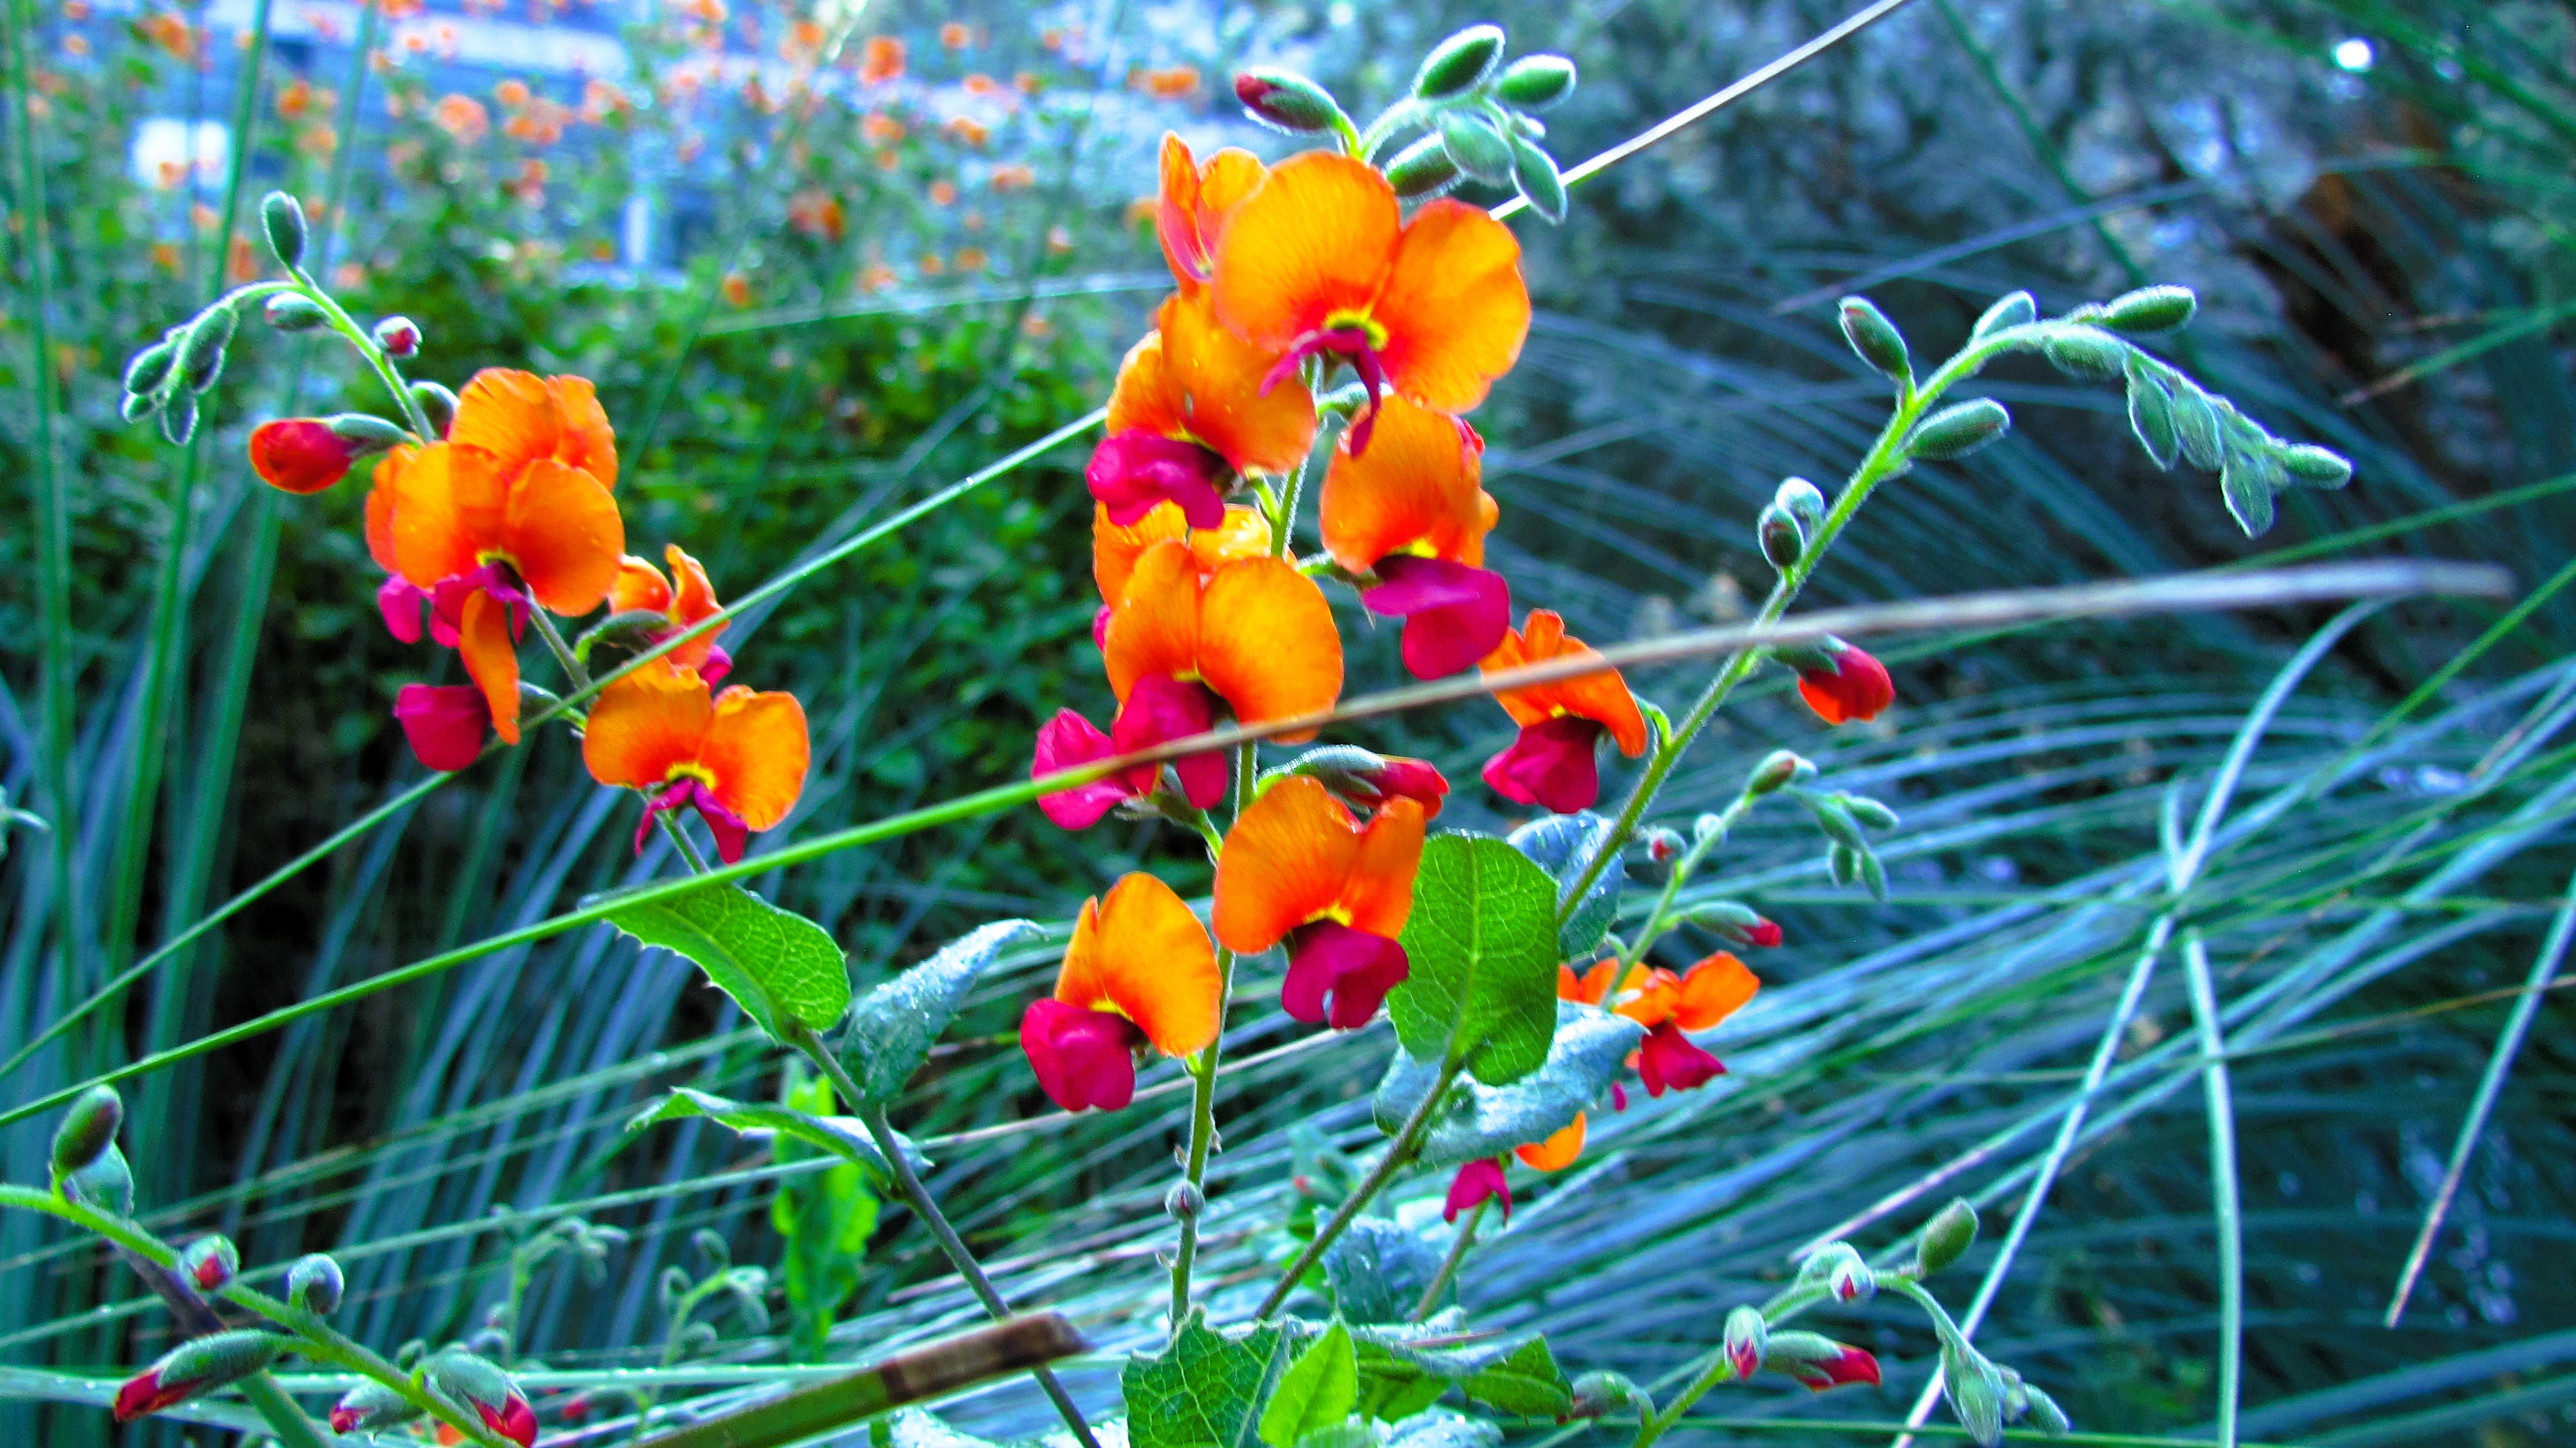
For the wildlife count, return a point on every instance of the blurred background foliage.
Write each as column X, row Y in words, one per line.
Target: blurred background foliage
column 813, row 292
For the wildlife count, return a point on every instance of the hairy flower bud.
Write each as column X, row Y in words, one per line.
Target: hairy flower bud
column 1535, row 82
column 288, row 312
column 2016, row 310
column 1663, row 846
column 2045, row 1414
column 149, row 368
column 1946, row 1237
column 1875, row 338
column 1422, row 169
column 1748, row 1337
column 1534, row 172
column 106, row 1183
column 1870, row 812
column 1601, row 1392
column 371, row 1407
column 399, row 336
column 1803, row 501
column 1818, row 1362
column 1778, row 770
column 1955, row 432
column 314, row 1283
column 179, row 416
column 2315, row 467
column 282, row 217
column 89, row 1129
column 211, row 1262
column 2151, row 309
column 1737, row 924
column 1286, row 101
column 1783, row 541
column 1459, row 62
column 2086, row 352
column 1975, row 1390
column 139, row 405
column 201, row 351
column 437, row 406
column 1184, row 1201
column 488, row 1391
column 1479, row 149
column 197, row 1366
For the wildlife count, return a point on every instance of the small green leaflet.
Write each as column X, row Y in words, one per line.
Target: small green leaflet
column 1589, row 1051
column 1482, row 943
column 778, row 965
column 1200, row 1392
column 838, row 1135
column 1318, row 1391
column 896, row 1024
column 1526, row 1384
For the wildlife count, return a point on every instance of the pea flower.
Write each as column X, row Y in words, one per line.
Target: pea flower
column 1667, row 1005
column 738, row 758
column 1842, row 683
column 1115, row 547
column 445, row 724
column 1551, row 763
column 1318, row 262
column 309, row 454
column 1139, row 972
column 1193, row 201
column 1298, row 867
column 683, row 599
column 1818, row 1362
column 1412, row 513
column 1191, row 410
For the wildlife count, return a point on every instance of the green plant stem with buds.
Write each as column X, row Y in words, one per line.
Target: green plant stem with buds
column 1886, row 458
column 1399, row 1154
column 1720, row 1369
column 317, row 1339
column 1691, row 855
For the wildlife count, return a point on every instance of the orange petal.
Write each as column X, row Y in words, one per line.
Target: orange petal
column 1418, row 488
column 645, row 723
column 1154, row 627
column 1284, row 863
column 1379, row 895
column 1602, row 697
column 564, row 536
column 1225, row 179
column 696, row 600
column 446, row 513
column 586, row 441
column 1526, row 706
column 1139, row 951
column 1569, row 986
column 1114, row 550
column 1595, row 985
column 1650, row 1002
column 1557, row 1152
column 1314, row 239
column 1455, row 309
column 509, row 414
column 638, row 586
column 386, row 479
column 1266, row 643
column 1712, row 990
column 1176, row 214
column 1145, row 396
column 491, row 659
column 1217, row 379
column 756, row 747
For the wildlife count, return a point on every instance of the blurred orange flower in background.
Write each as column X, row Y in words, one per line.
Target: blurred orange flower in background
column 880, row 60
column 462, row 117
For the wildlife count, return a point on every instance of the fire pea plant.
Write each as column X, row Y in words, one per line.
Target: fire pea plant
column 1337, row 302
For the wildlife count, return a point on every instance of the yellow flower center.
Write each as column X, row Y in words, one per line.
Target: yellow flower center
column 1361, row 322
column 698, row 772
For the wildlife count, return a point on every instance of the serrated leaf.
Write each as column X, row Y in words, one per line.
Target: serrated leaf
column 1562, row 845
column 1378, row 1270
column 778, row 965
column 839, row 1135
column 1446, row 1430
column 1589, row 1052
column 1482, row 944
column 1317, row 1392
column 1201, row 1390
column 895, row 1025
column 2151, row 415
column 1528, row 1383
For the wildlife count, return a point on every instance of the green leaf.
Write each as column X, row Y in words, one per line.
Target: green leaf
column 778, row 965
column 1527, row 1383
column 896, row 1024
column 1590, row 1051
column 1400, row 1377
column 839, row 1135
column 1378, row 1270
column 1562, row 845
column 1348, row 1433
column 1200, row 1391
column 1482, row 944
column 1318, row 1391
column 824, row 1220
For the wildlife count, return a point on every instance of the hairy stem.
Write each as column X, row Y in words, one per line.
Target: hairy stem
column 1399, row 1154
column 368, row 351
column 1720, row 1369
column 1465, row 1239
column 1203, row 1066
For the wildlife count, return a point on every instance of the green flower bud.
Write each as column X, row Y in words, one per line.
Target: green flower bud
column 1748, row 1339
column 1870, row 812
column 149, row 368
column 1478, row 148
column 201, row 352
column 1459, row 62
column 2045, row 1415
column 1184, row 1201
column 1778, row 770
column 106, row 1183
column 88, row 1129
column 1976, row 1392
column 371, row 434
column 436, row 404
column 198, row 1366
column 1534, row 172
column 282, row 217
column 1876, row 339
column 2086, row 352
column 179, row 417
column 1286, row 101
column 1834, row 817
column 1783, row 541
column 2151, row 309
column 211, row 1262
column 1955, row 432
column 140, row 405
column 2314, row 466
column 1842, row 864
column 1422, row 169
column 288, row 312
column 314, row 1283
column 399, row 336
column 2017, row 310
column 1535, row 82
column 371, row 1407
column 1601, row 1392
column 1805, row 502
column 1946, row 1237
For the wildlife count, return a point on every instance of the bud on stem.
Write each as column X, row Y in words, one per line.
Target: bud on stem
column 1458, row 63
column 1955, row 432
column 1946, row 1237
column 1286, row 101
column 1535, row 82
column 314, row 1283
column 282, row 217
column 1876, row 339
column 88, row 1129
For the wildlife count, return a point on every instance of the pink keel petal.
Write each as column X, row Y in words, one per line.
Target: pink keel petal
column 718, row 664
column 1351, row 344
column 1135, row 470
column 1668, row 1061
column 1475, row 1182
column 400, row 600
column 1160, row 709
column 1064, row 742
column 1355, row 968
column 1083, row 1059
column 444, row 723
column 1453, row 614
column 1550, row 765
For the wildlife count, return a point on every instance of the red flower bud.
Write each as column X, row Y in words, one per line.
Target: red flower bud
column 1855, row 687
column 300, row 454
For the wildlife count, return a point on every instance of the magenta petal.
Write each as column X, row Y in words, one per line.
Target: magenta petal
column 1064, row 742
column 1160, row 709
column 1669, row 1062
column 1453, row 615
column 671, row 797
column 1355, row 968
column 1083, row 1059
column 1134, row 470
column 718, row 664
column 1550, row 765
column 732, row 835
column 1100, row 628
column 1475, row 1182
column 445, row 723
column 399, row 600
column 447, row 599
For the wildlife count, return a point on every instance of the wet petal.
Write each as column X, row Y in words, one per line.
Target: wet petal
column 1379, row 894
column 1454, row 308
column 757, row 748
column 1315, row 238
column 1217, row 379
column 1417, row 488
column 1145, row 398
column 645, row 723
column 1154, row 626
column 638, row 586
column 1267, row 643
column 446, row 511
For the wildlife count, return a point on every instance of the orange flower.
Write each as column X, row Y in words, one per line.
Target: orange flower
column 1165, row 83
column 738, row 757
column 1318, row 262
column 640, row 587
column 1193, row 203
column 1190, row 410
column 1255, row 632
column 1557, row 1152
column 1551, row 764
column 462, row 117
column 1413, row 513
column 818, row 214
column 1298, row 867
column 955, row 35
column 1667, row 1005
column 519, row 417
column 1114, row 549
column 1138, row 972
column 943, row 193
column 736, row 288
column 880, row 60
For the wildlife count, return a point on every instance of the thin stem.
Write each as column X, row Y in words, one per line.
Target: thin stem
column 1465, row 1239
column 373, row 355
column 1698, row 850
column 555, row 645
column 1203, row 1066
column 1399, row 1154
column 1720, row 1368
column 2226, row 1201
column 917, row 1196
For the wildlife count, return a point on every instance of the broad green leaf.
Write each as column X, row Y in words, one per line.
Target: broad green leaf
column 1199, row 1392
column 1527, row 1383
column 777, row 964
column 896, row 1024
column 1399, row 1377
column 824, row 1220
column 1562, row 845
column 1446, row 1430
column 1482, row 943
column 1318, row 1391
column 1378, row 1270
column 840, row 1135
column 1590, row 1051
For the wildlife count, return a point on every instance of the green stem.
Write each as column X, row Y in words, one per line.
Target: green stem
column 373, row 355
column 1698, row 850
column 1399, row 1154
column 1203, row 1066
column 1719, row 1369
column 1449, row 1265
column 917, row 1196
